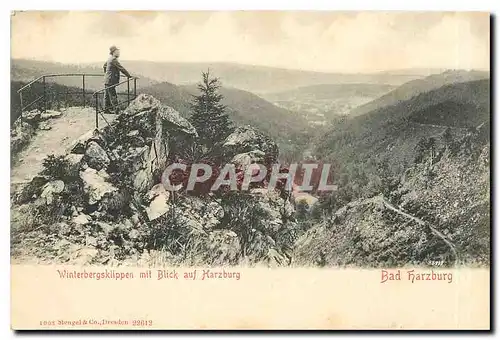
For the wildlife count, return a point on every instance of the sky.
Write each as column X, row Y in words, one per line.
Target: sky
column 314, row 40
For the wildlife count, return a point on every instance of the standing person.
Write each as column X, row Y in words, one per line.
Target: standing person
column 112, row 69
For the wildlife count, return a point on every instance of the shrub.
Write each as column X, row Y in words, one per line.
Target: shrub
column 56, row 167
column 245, row 216
column 117, row 205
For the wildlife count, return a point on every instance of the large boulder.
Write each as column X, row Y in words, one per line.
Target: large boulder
column 96, row 185
column 75, row 162
column 277, row 208
column 32, row 117
column 304, row 198
column 243, row 160
column 51, row 188
column 79, row 145
column 158, row 202
column 246, row 139
column 152, row 161
column 199, row 214
column 146, row 106
column 143, row 102
column 96, row 157
column 173, row 119
column 155, row 124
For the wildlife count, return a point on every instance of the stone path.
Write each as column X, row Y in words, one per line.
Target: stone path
column 74, row 122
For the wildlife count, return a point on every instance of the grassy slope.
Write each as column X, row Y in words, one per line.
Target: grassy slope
column 446, row 186
column 450, row 196
column 415, row 87
column 392, row 131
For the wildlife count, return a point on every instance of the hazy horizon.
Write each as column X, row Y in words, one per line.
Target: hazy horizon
column 322, row 41
column 124, row 61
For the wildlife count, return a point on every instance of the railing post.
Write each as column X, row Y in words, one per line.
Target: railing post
column 50, row 100
column 83, row 85
column 22, row 107
column 66, row 97
column 128, row 91
column 96, row 111
column 44, row 97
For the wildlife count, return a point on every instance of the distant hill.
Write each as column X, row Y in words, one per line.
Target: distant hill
column 423, row 72
column 24, row 70
column 258, row 79
column 390, row 134
column 460, row 105
column 330, row 91
column 415, row 87
column 320, row 103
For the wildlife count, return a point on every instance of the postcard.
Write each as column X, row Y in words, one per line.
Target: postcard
column 243, row 170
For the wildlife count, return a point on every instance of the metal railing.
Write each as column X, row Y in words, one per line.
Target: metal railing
column 99, row 97
column 43, row 97
column 45, row 100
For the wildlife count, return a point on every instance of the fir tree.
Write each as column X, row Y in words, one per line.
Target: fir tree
column 209, row 114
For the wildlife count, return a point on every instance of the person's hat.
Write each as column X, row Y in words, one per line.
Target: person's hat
column 112, row 49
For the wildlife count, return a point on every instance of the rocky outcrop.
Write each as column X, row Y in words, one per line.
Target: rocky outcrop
column 243, row 160
column 79, row 145
column 172, row 119
column 51, row 188
column 142, row 103
column 151, row 126
column 305, row 199
column 276, row 207
column 96, row 184
column 49, row 114
column 115, row 206
column 20, row 136
column 96, row 157
column 199, row 214
column 247, row 140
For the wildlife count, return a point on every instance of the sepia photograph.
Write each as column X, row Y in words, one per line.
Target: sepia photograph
column 301, row 163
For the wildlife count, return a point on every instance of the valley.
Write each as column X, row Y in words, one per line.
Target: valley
column 410, row 154
column 320, row 104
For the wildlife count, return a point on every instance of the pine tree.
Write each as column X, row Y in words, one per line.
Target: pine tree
column 209, row 114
